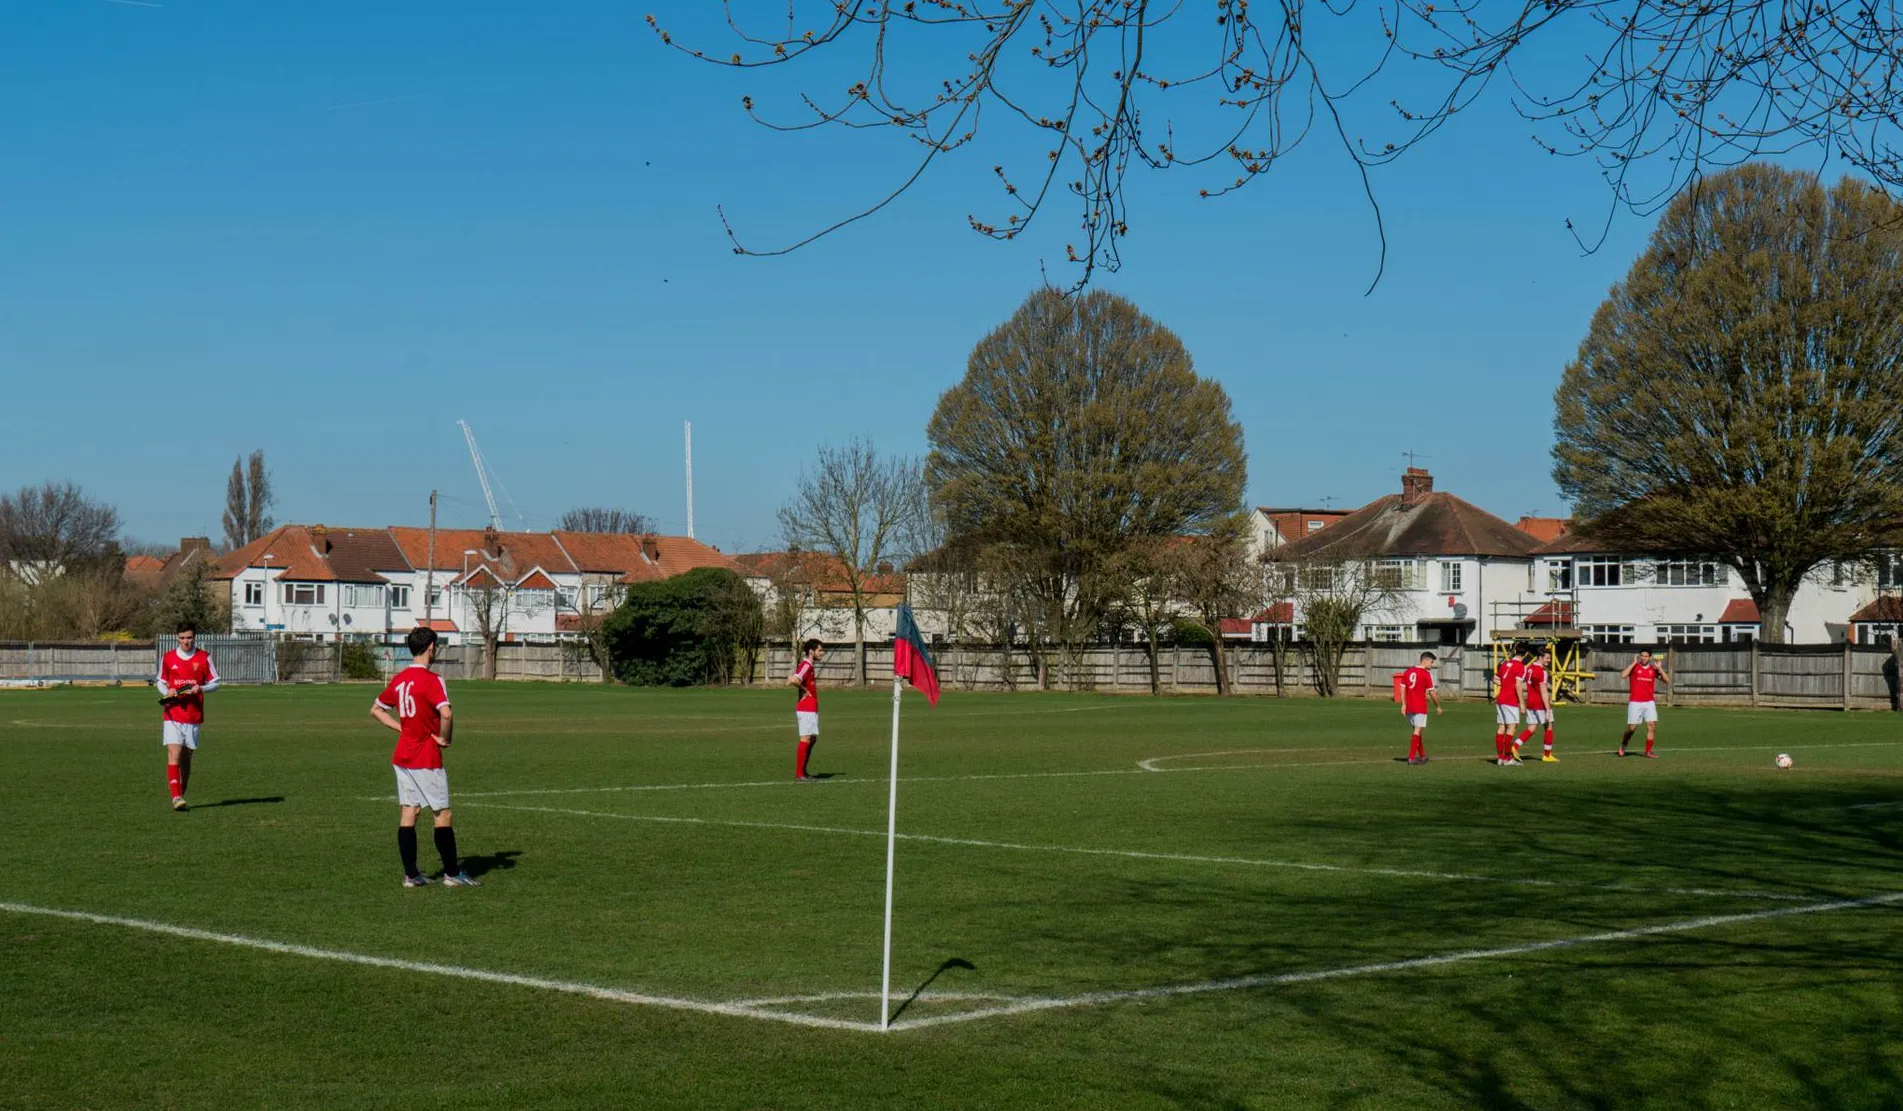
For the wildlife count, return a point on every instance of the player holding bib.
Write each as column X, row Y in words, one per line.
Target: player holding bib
column 1644, row 675
column 1417, row 686
column 423, row 724
column 1508, row 700
column 1539, row 704
column 806, row 710
column 185, row 674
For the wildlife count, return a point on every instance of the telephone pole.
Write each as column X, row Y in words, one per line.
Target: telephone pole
column 429, row 573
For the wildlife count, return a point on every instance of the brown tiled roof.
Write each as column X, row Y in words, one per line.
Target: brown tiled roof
column 1293, row 524
column 1887, row 608
column 536, row 580
column 356, row 555
column 824, row 573
column 1281, row 613
column 603, row 553
column 1551, row 614
column 292, row 550
column 1544, row 529
column 1740, row 611
column 144, row 565
column 1574, row 543
column 519, row 549
column 440, row 624
column 1439, row 524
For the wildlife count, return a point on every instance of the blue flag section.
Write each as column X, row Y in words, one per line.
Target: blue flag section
column 910, row 659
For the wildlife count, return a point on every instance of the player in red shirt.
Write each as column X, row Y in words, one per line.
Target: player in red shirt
column 1417, row 686
column 185, row 674
column 1644, row 675
column 423, row 724
column 1539, row 704
column 806, row 711
column 1508, row 700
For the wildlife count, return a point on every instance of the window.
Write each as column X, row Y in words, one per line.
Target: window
column 254, row 594
column 399, row 597
column 363, row 595
column 570, row 596
column 1889, row 570
column 303, row 594
column 534, row 601
column 1608, row 634
column 1386, row 634
column 1688, row 634
column 1320, row 580
column 1690, row 572
column 1396, row 574
column 1450, row 578
column 1601, row 571
column 1741, row 634
column 1882, row 634
column 435, row 598
column 1559, row 575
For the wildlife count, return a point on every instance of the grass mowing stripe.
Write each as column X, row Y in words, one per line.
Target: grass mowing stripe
column 1138, row 854
column 593, row 991
column 1241, row 983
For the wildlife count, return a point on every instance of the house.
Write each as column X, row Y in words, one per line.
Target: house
column 1627, row 597
column 1270, row 528
column 152, row 574
column 1449, row 571
column 819, row 595
column 320, row 582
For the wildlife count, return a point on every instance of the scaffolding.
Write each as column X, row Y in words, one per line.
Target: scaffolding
column 1552, row 621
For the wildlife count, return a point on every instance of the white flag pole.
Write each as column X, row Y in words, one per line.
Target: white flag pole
column 891, row 839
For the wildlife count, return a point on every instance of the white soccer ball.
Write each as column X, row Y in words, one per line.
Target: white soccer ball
column 1783, row 759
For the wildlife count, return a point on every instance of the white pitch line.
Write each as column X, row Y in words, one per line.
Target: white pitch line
column 1242, row 983
column 593, row 991
column 1184, row 858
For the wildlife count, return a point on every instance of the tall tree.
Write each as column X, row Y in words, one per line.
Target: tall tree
column 50, row 529
column 601, row 519
column 248, row 501
column 1657, row 92
column 1080, row 428
column 1737, row 394
column 852, row 506
column 1216, row 578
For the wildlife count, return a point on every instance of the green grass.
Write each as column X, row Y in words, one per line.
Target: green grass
column 730, row 902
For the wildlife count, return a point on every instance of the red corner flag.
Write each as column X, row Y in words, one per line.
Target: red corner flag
column 910, row 659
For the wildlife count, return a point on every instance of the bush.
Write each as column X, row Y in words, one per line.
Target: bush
column 685, row 631
column 360, row 661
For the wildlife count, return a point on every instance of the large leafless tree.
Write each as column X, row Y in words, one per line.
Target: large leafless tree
column 1655, row 93
column 1738, row 393
column 53, row 528
column 248, row 501
column 603, row 519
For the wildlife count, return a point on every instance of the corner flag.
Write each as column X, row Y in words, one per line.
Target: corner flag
column 910, row 660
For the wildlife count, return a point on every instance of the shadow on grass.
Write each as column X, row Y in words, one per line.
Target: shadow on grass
column 955, row 962
column 238, row 802
column 485, row 863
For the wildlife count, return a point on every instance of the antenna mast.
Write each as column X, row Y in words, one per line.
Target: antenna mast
column 482, row 474
column 690, row 480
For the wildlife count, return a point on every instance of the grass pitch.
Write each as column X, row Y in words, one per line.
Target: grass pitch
column 1102, row 902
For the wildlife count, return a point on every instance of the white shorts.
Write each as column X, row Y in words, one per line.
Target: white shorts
column 1418, row 721
column 1506, row 715
column 808, row 722
column 1539, row 717
column 181, row 733
column 1637, row 713
column 425, row 787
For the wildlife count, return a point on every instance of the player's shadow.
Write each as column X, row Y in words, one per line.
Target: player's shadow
column 238, row 802
column 955, row 962
column 490, row 862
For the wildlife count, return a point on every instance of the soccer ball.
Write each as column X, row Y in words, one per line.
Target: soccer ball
column 1783, row 759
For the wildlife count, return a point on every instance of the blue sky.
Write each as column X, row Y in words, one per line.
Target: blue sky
column 332, row 230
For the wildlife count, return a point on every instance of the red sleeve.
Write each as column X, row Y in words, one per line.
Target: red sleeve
column 388, row 698
column 440, row 693
column 802, row 670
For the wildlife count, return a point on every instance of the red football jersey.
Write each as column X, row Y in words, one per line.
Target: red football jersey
column 1645, row 679
column 1509, row 673
column 176, row 670
column 1535, row 687
column 808, row 677
column 1415, row 683
column 418, row 696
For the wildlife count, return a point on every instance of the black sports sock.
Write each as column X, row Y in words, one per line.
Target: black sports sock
column 446, row 845
column 406, row 846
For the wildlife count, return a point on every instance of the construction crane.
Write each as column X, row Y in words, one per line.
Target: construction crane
column 483, row 476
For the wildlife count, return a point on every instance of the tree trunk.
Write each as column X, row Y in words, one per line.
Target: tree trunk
column 1774, row 609
column 1222, row 672
column 489, row 657
column 859, row 645
column 1156, row 670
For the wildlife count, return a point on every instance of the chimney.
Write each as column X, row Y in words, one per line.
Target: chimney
column 1416, row 484
column 651, row 548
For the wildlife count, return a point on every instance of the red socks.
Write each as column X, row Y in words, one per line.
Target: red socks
column 1648, row 746
column 1501, row 745
column 799, row 763
column 1415, row 750
column 1549, row 740
column 174, row 781
column 1524, row 737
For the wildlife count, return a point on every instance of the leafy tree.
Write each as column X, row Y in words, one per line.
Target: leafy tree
column 1079, row 429
column 248, row 499
column 1657, row 93
column 1215, row 578
column 1737, row 395
column 600, row 519
column 853, row 506
column 190, row 597
column 684, row 631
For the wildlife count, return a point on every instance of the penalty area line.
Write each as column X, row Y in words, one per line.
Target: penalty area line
column 1243, row 983
column 592, row 991
column 1184, row 858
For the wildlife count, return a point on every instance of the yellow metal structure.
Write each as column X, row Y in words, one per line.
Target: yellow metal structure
column 1568, row 675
